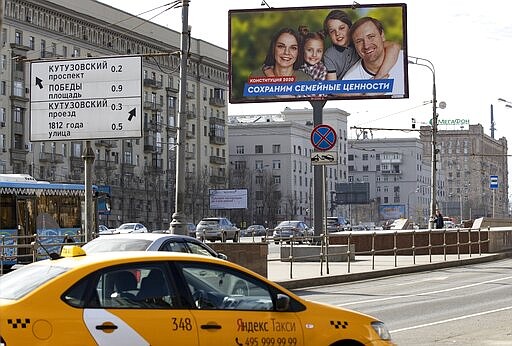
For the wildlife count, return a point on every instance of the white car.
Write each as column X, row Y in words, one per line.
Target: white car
column 131, row 227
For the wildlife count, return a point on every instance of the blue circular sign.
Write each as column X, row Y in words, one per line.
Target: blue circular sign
column 323, row 137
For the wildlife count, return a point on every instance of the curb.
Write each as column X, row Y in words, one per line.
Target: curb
column 350, row 277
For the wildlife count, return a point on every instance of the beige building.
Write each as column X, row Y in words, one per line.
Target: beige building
column 468, row 157
column 139, row 172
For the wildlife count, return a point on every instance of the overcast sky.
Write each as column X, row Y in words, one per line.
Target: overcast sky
column 469, row 42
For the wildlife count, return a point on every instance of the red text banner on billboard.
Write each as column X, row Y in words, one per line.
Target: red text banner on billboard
column 228, row 199
column 310, row 53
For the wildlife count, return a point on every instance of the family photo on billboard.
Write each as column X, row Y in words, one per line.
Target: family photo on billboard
column 318, row 52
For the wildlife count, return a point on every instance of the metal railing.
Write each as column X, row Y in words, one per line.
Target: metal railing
column 413, row 249
column 15, row 250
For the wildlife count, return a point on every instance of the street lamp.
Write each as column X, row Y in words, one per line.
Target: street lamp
column 433, row 175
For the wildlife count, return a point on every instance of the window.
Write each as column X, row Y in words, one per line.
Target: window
column 350, row 157
column 277, row 179
column 240, row 165
column 240, row 291
column 18, row 115
column 259, row 195
column 31, row 42
column 18, row 38
column 18, row 88
column 259, row 164
column 240, row 149
column 276, row 148
column 276, row 164
column 365, row 157
column 258, row 149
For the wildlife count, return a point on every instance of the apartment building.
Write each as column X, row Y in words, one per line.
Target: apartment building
column 138, row 173
column 270, row 155
column 468, row 157
column 398, row 175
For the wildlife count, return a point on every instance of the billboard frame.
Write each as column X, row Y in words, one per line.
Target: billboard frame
column 263, row 22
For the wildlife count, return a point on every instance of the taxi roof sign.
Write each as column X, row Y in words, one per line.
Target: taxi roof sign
column 72, row 251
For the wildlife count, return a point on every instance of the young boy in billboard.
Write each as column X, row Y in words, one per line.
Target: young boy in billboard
column 341, row 56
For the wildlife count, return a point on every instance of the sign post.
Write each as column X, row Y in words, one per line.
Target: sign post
column 494, row 186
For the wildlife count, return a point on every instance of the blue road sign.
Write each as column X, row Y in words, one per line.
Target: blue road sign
column 494, row 182
column 323, row 137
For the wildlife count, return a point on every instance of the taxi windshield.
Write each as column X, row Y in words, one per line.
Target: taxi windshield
column 16, row 284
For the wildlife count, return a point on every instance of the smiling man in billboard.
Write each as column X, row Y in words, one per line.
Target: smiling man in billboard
column 368, row 37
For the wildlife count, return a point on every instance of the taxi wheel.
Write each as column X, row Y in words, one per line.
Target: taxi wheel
column 240, row 289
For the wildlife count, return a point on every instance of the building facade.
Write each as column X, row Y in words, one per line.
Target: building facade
column 138, row 173
column 468, row 157
column 399, row 179
column 270, row 155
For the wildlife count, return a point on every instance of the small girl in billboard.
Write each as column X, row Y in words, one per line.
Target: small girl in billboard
column 340, row 57
column 313, row 47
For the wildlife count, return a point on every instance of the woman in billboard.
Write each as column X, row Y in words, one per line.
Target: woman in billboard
column 284, row 56
column 341, row 56
column 312, row 44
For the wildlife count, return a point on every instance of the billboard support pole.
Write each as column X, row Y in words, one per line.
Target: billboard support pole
column 178, row 223
column 318, row 207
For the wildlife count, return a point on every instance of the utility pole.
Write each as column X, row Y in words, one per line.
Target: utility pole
column 178, row 223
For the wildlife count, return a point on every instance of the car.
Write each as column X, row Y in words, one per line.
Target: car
column 217, row 228
column 449, row 224
column 256, row 230
column 337, row 224
column 191, row 229
column 151, row 297
column 150, row 242
column 131, row 227
column 286, row 230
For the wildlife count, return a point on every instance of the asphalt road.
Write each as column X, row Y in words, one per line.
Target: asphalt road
column 468, row 305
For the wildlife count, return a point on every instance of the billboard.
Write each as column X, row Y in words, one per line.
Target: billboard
column 310, row 53
column 391, row 211
column 228, row 199
column 352, row 193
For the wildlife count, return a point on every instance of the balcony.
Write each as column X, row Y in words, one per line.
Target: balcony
column 153, row 106
column 217, row 180
column 127, row 168
column 217, row 140
column 172, row 89
column 51, row 157
column 191, row 135
column 191, row 114
column 190, row 155
column 216, row 101
column 217, row 160
column 148, row 82
column 190, row 94
column 106, row 143
column 149, row 147
column 394, row 171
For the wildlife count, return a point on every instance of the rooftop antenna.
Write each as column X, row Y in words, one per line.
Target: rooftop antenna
column 264, row 3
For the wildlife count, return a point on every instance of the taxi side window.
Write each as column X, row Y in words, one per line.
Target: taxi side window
column 214, row 287
column 137, row 287
column 174, row 247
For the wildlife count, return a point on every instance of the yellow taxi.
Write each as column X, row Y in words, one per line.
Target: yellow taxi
column 158, row 298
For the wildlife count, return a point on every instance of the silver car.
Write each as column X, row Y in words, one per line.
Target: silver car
column 150, row 242
column 217, row 228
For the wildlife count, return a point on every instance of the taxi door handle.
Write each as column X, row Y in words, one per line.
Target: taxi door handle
column 210, row 326
column 106, row 327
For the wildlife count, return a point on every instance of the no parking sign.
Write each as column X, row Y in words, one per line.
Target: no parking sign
column 323, row 137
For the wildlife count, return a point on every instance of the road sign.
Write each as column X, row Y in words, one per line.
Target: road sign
column 323, row 137
column 94, row 98
column 324, row 158
column 494, row 182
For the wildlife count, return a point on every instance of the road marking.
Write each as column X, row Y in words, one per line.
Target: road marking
column 451, row 320
column 424, row 294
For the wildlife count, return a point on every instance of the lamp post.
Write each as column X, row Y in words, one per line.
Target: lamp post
column 433, row 174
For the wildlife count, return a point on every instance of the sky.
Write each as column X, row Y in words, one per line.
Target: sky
column 469, row 43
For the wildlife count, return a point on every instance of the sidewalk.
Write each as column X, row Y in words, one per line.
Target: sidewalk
column 307, row 274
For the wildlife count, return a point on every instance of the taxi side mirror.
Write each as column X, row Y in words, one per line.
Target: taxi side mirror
column 282, row 302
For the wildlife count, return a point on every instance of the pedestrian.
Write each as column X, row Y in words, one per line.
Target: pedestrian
column 439, row 222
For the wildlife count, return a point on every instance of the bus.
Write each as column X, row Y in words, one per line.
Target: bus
column 32, row 209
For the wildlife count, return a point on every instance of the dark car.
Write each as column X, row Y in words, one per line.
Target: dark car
column 256, row 230
column 150, row 242
column 287, row 230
